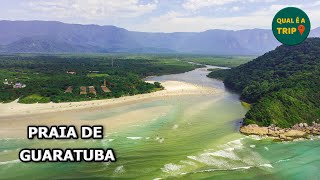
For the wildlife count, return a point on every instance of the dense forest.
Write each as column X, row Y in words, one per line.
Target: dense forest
column 283, row 85
column 45, row 78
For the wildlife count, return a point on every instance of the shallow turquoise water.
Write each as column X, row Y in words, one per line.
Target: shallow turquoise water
column 196, row 139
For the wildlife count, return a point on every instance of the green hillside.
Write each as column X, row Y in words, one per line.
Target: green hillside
column 283, row 85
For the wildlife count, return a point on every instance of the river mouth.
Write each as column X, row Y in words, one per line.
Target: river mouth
column 191, row 136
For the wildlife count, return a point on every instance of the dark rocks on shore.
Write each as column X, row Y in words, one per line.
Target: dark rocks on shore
column 301, row 130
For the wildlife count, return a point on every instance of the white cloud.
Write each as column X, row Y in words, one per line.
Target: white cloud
column 189, row 22
column 235, row 8
column 178, row 22
column 92, row 9
column 162, row 16
column 198, row 4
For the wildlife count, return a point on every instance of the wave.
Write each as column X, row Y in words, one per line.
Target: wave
column 10, row 162
column 134, row 138
column 255, row 137
column 119, row 170
column 231, row 169
column 227, row 157
column 8, row 139
column 172, row 168
column 189, row 162
column 282, row 160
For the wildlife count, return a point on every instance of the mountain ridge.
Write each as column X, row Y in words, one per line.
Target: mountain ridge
column 74, row 38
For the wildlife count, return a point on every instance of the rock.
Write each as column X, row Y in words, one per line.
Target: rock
column 272, row 133
column 289, row 139
column 315, row 131
column 281, row 131
column 296, row 126
column 254, row 129
column 295, row 133
column 309, row 137
column 282, row 136
column 301, row 130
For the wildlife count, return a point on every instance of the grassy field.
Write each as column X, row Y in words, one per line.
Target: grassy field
column 225, row 61
column 92, row 75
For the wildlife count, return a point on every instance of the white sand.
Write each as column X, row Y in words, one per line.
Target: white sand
column 172, row 88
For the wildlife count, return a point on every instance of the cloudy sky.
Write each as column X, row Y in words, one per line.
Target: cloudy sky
column 158, row 15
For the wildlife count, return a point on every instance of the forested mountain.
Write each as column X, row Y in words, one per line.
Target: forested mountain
column 57, row 37
column 283, row 85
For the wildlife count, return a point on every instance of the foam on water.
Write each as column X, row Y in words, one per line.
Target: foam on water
column 226, row 153
column 134, row 138
column 255, row 137
column 172, row 169
column 119, row 170
column 266, row 165
column 188, row 162
column 231, row 169
column 175, row 126
column 230, row 156
column 10, row 162
column 282, row 160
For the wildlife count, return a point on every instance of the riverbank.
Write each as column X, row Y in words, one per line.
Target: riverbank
column 298, row 131
column 171, row 88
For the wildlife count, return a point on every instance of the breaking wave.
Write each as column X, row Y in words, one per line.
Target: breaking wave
column 10, row 162
column 230, row 156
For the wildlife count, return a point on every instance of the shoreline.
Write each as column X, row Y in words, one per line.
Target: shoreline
column 298, row 131
column 171, row 88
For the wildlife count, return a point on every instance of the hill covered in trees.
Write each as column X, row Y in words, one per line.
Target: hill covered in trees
column 283, row 85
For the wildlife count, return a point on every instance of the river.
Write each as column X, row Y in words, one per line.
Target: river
column 195, row 138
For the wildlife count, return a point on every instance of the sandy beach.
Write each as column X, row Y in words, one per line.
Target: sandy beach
column 172, row 88
column 15, row 117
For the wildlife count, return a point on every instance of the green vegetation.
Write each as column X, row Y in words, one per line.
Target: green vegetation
column 47, row 77
column 218, row 73
column 34, row 98
column 246, row 105
column 283, row 85
column 93, row 75
column 225, row 61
